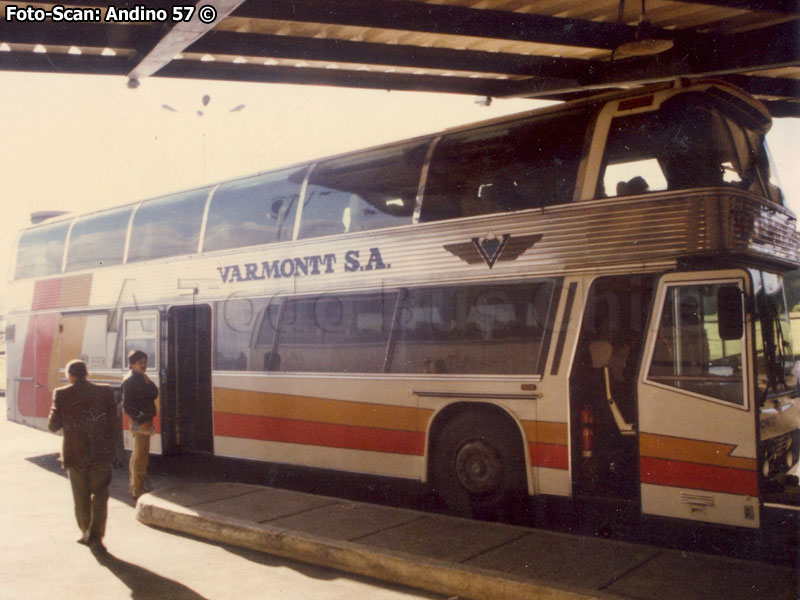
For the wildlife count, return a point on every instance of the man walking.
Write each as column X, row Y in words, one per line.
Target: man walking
column 87, row 414
column 138, row 401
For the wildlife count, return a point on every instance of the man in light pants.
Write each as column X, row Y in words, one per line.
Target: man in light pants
column 138, row 402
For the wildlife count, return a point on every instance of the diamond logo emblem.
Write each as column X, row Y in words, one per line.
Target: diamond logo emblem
column 491, row 248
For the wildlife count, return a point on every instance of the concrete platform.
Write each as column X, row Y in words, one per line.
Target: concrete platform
column 452, row 556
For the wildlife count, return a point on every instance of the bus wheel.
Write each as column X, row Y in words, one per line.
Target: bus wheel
column 478, row 466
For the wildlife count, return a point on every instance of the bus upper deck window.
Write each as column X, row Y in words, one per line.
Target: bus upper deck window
column 98, row 240
column 167, row 226
column 41, row 251
column 370, row 190
column 507, row 167
column 631, row 164
column 687, row 144
column 256, row 210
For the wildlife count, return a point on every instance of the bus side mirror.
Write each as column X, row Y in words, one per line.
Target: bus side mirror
column 731, row 315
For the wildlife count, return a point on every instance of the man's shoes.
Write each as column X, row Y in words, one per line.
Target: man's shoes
column 84, row 540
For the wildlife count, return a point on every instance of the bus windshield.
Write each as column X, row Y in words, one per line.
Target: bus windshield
column 690, row 142
column 775, row 366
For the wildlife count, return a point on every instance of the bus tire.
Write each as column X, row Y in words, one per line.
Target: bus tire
column 477, row 467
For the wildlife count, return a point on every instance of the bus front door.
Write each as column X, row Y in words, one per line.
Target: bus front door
column 697, row 431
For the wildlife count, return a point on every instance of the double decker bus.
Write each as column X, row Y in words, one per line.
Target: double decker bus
column 581, row 304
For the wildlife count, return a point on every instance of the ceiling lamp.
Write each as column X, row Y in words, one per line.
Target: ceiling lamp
column 644, row 43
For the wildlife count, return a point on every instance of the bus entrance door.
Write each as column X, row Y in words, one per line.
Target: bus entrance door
column 603, row 419
column 188, row 407
column 697, row 424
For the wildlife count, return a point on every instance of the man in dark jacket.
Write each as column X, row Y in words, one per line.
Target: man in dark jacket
column 87, row 414
column 138, row 402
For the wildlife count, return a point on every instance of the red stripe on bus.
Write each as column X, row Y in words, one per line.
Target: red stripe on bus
column 26, row 392
column 35, row 396
column 553, row 456
column 673, row 473
column 319, row 434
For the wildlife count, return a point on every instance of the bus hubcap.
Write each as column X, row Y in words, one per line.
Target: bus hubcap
column 479, row 467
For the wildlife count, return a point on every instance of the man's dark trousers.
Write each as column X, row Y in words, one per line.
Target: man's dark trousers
column 90, row 485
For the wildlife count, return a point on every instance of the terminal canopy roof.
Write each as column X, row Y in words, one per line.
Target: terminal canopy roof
column 554, row 49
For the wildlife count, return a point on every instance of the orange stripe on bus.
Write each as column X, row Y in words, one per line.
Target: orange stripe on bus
column 547, row 443
column 546, row 432
column 323, row 410
column 693, row 451
column 73, row 330
column 312, row 433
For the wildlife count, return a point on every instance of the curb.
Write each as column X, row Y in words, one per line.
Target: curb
column 406, row 569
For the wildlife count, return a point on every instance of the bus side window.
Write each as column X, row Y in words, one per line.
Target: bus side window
column 335, row 334
column 630, row 164
column 504, row 168
column 256, row 210
column 477, row 329
column 688, row 353
column 238, row 345
column 141, row 333
column 41, row 251
column 98, row 240
column 371, row 190
column 168, row 226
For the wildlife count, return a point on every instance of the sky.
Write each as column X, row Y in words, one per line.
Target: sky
column 75, row 142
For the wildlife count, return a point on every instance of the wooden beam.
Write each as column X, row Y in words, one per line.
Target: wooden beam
column 783, row 108
column 443, row 19
column 181, row 36
column 85, row 64
column 773, row 6
column 767, row 86
column 108, row 35
column 334, row 77
column 774, row 47
column 394, row 55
